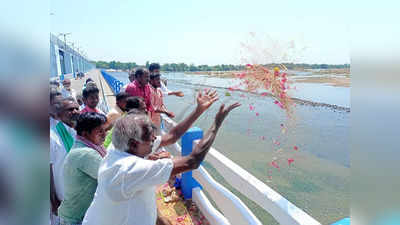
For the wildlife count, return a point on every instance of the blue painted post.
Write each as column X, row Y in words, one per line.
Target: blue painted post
column 115, row 85
column 117, row 88
column 188, row 182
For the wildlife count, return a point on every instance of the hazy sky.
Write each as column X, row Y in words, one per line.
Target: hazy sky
column 205, row 32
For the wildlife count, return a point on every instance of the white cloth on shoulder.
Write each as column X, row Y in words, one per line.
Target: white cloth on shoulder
column 57, row 156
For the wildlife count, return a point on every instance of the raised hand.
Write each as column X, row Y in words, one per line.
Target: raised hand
column 159, row 155
column 179, row 94
column 206, row 99
column 170, row 114
column 223, row 112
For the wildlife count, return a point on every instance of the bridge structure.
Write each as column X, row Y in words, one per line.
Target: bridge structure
column 65, row 60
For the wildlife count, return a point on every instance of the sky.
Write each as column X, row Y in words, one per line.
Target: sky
column 206, row 32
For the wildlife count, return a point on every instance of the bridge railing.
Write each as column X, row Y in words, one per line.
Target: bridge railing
column 233, row 209
column 114, row 83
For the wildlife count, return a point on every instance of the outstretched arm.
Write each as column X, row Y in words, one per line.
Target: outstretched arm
column 192, row 161
column 164, row 110
column 176, row 93
column 204, row 101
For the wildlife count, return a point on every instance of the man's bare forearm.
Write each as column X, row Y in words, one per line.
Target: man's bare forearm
column 183, row 126
column 193, row 161
column 173, row 92
column 201, row 150
column 176, row 132
column 160, row 111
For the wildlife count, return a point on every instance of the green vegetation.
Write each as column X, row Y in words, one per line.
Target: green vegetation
column 115, row 65
column 183, row 67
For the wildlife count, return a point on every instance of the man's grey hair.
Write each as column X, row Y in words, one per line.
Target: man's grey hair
column 127, row 128
column 54, row 81
column 59, row 106
column 91, row 84
column 54, row 91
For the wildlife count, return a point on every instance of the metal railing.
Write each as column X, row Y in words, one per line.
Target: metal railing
column 104, row 103
column 114, row 83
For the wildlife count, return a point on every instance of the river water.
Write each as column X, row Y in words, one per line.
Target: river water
column 318, row 179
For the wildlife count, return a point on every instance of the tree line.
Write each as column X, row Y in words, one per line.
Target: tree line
column 183, row 67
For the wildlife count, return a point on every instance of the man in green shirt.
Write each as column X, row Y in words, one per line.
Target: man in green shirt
column 130, row 103
column 81, row 167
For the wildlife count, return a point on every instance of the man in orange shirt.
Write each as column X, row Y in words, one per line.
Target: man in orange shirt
column 154, row 69
column 157, row 101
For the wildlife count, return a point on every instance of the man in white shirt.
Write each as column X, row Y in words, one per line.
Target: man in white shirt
column 67, row 91
column 126, row 181
column 61, row 133
column 55, row 97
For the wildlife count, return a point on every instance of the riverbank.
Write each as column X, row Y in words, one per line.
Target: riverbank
column 328, row 80
column 340, row 78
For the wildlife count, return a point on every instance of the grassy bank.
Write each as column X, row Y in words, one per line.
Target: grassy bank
column 342, row 78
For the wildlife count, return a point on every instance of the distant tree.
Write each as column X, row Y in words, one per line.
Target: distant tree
column 192, row 68
column 165, row 67
column 183, row 67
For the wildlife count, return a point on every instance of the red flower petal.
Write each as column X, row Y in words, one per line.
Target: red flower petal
column 275, row 164
column 251, row 107
column 242, row 75
column 290, row 161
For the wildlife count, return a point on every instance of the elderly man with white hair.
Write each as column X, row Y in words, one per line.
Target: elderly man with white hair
column 127, row 181
column 67, row 91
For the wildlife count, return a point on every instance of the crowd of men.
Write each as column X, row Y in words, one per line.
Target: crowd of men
column 105, row 167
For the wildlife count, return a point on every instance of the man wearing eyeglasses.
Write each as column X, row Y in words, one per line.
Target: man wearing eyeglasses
column 154, row 70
